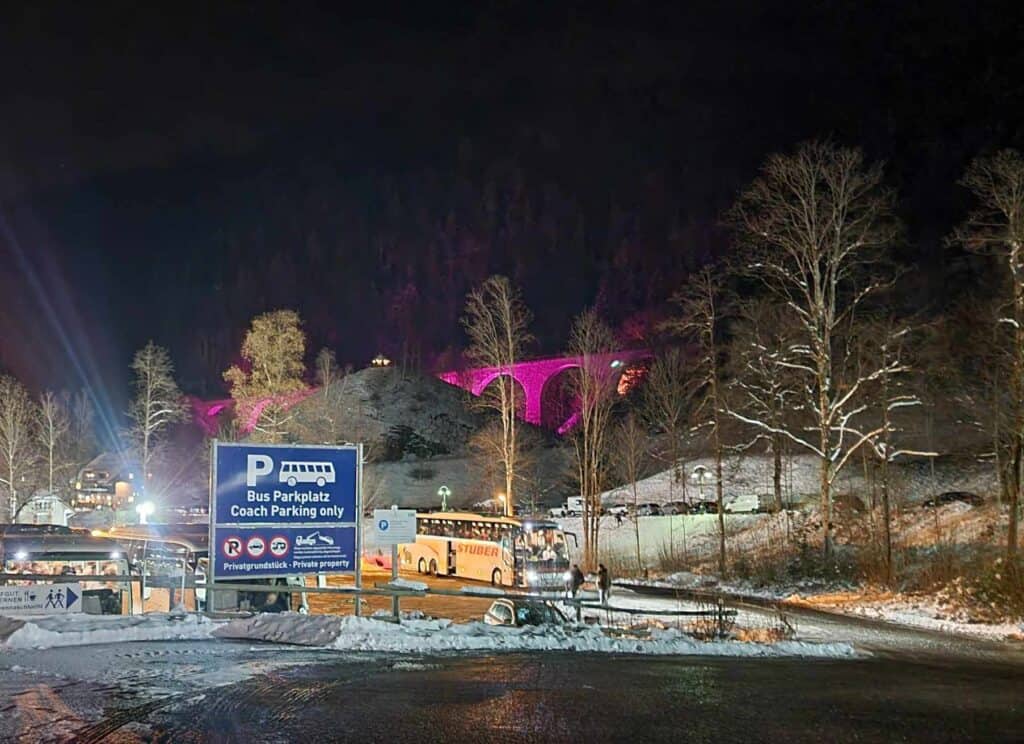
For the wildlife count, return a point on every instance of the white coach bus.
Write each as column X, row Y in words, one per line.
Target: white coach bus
column 504, row 551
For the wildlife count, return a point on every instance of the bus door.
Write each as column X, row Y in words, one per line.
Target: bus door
column 452, row 549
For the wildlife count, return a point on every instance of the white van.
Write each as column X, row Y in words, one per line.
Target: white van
column 747, row 503
column 573, row 508
column 319, row 473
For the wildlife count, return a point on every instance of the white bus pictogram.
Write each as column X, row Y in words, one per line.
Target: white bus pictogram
column 294, row 473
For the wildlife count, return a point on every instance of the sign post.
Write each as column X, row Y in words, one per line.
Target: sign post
column 393, row 527
column 279, row 511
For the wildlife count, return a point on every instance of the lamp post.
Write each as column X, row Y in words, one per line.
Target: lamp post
column 444, row 492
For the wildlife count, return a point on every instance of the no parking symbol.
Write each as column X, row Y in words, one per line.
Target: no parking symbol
column 232, row 547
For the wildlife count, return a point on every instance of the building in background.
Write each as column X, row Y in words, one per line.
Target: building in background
column 107, row 482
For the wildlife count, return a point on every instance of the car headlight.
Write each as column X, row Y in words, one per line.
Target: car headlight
column 531, row 577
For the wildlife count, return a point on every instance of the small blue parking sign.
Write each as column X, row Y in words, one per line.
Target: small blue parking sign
column 382, row 525
column 284, row 510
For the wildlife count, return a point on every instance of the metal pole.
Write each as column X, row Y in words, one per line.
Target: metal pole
column 359, row 525
column 395, row 610
column 211, row 567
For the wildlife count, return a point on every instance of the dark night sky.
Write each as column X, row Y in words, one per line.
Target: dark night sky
column 168, row 174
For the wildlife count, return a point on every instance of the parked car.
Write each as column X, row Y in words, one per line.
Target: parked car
column 950, row 496
column 704, row 507
column 675, row 507
column 620, row 510
column 517, row 613
column 648, row 510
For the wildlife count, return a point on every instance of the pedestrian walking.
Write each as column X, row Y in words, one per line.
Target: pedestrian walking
column 575, row 579
column 604, row 583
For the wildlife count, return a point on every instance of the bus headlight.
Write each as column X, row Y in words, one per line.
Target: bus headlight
column 531, row 577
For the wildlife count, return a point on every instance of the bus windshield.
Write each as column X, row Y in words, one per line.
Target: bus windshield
column 542, row 547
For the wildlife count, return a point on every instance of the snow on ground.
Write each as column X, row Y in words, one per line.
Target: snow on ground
column 752, row 474
column 77, row 630
column 913, row 611
column 683, row 535
column 442, row 636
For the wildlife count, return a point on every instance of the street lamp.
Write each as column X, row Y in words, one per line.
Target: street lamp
column 444, row 492
column 145, row 509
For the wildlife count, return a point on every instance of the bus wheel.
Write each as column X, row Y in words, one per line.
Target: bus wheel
column 496, row 577
column 433, row 567
column 421, row 567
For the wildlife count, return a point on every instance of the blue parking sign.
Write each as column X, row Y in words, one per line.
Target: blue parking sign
column 284, row 510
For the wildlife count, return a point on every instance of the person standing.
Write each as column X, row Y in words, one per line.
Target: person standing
column 604, row 583
column 575, row 580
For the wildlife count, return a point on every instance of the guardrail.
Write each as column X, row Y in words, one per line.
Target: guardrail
column 385, row 589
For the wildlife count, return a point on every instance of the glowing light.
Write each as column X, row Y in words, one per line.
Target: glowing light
column 20, row 555
column 381, row 361
column 145, row 509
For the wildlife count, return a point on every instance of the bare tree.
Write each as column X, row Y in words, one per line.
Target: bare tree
column 765, row 390
column 274, row 347
column 699, row 321
column 595, row 388
column 817, row 224
column 497, row 321
column 885, row 342
column 53, row 427
column 157, row 405
column 631, row 446
column 996, row 227
column 83, row 428
column 17, row 446
column 666, row 398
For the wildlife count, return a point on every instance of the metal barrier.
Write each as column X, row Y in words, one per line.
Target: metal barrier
column 378, row 590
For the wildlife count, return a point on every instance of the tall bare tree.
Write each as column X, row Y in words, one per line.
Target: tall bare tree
column 274, row 347
column 765, row 390
column 666, row 397
column 53, row 428
column 996, row 227
column 817, row 225
column 83, row 427
column 17, row 446
column 700, row 321
column 157, row 405
column 631, row 449
column 886, row 341
column 497, row 322
column 594, row 387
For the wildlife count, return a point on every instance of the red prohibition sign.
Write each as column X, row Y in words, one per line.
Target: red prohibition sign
column 256, row 546
column 232, row 547
column 279, row 546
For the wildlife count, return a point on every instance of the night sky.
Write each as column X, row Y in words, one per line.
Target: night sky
column 169, row 174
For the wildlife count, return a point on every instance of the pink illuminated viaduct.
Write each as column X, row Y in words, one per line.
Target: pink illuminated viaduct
column 533, row 376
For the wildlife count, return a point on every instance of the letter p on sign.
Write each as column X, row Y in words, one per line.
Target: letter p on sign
column 256, row 466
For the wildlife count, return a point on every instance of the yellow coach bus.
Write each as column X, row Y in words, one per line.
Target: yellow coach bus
column 505, row 551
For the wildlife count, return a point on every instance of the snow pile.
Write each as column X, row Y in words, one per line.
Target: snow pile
column 443, row 636
column 925, row 613
column 413, row 586
column 78, row 630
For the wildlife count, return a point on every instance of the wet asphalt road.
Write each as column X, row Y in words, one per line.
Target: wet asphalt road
column 588, row 698
column 915, row 687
